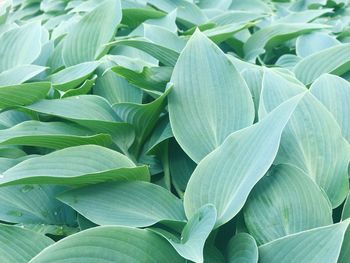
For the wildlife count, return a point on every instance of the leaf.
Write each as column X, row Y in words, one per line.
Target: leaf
column 110, row 244
column 80, row 165
column 252, row 152
column 73, row 76
column 20, row 245
column 167, row 56
column 19, row 74
column 142, row 116
column 114, row 88
column 332, row 60
column 85, row 40
column 151, row 78
column 284, row 202
column 270, row 36
column 242, row 248
column 346, row 208
column 15, row 44
column 312, row 131
column 194, row 234
column 134, row 204
column 320, row 42
column 334, row 93
column 23, row 94
column 89, row 111
column 319, row 245
column 34, row 204
column 82, row 89
column 56, row 135
column 203, row 73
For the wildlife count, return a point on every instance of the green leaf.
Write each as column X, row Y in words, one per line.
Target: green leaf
column 135, row 204
column 20, row 46
column 346, row 208
column 55, row 135
column 73, row 76
column 252, row 151
column 34, row 204
column 204, row 74
column 23, row 94
column 334, row 93
column 284, row 202
column 242, row 248
column 110, row 244
column 80, row 165
column 333, row 60
column 19, row 74
column 85, row 41
column 82, row 89
column 312, row 131
column 268, row 37
column 320, row 245
column 312, row 43
column 194, row 234
column 20, row 245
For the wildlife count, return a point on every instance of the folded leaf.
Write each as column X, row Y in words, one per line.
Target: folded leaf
column 242, row 248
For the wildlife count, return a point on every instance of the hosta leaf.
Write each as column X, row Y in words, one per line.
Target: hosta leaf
column 23, row 94
column 334, row 93
column 151, row 78
column 10, row 118
column 115, row 88
column 54, row 135
column 73, row 76
column 34, row 204
column 242, row 248
column 284, row 202
column 142, row 116
column 345, row 251
column 19, row 74
column 319, row 42
column 78, row 165
column 135, row 16
column 109, row 244
column 316, row 245
column 15, row 45
column 136, row 204
column 333, row 60
column 85, row 42
column 312, row 131
column 20, row 245
column 203, row 73
column 235, row 16
column 252, row 151
column 82, row 89
column 270, row 36
column 187, row 12
column 346, row 208
column 167, row 56
column 90, row 111
column 194, row 234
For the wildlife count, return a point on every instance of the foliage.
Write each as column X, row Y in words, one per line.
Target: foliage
column 174, row 131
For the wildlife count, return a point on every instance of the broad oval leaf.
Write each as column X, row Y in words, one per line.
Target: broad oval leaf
column 19, row 74
column 80, row 165
column 203, row 73
column 227, row 182
column 284, row 202
column 109, row 244
column 136, row 204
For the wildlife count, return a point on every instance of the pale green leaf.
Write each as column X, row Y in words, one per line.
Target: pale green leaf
column 242, row 248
